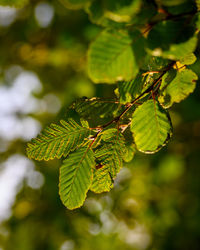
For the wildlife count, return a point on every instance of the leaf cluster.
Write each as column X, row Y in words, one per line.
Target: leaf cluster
column 147, row 48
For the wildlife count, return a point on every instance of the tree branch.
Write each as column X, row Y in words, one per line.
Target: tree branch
column 148, row 90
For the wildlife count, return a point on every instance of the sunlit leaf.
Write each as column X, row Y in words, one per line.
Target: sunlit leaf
column 188, row 59
column 112, row 57
column 131, row 89
column 76, row 177
column 90, row 108
column 112, row 150
column 129, row 153
column 102, row 181
column 177, row 88
column 151, row 127
column 57, row 140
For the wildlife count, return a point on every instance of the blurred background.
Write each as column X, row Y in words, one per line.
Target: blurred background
column 155, row 203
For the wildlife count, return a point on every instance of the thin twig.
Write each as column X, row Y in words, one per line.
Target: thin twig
column 148, row 90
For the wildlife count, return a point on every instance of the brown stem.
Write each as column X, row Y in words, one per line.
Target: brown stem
column 148, row 90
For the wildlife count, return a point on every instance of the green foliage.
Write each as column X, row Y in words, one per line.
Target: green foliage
column 76, row 177
column 145, row 48
column 188, row 59
column 57, row 140
column 111, row 153
column 151, row 127
column 109, row 157
column 178, row 88
column 90, row 108
column 111, row 57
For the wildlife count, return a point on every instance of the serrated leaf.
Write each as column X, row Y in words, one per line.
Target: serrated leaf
column 151, row 127
column 109, row 159
column 57, row 140
column 112, row 150
column 131, row 89
column 102, row 181
column 178, row 88
column 109, row 156
column 76, row 177
column 90, row 108
column 112, row 58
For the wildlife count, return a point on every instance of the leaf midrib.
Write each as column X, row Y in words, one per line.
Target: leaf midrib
column 56, row 138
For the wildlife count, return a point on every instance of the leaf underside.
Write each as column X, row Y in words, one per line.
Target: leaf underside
column 57, row 140
column 110, row 156
column 151, row 127
column 76, row 177
column 111, row 58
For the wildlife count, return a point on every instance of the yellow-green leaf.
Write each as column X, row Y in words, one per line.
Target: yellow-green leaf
column 57, row 140
column 76, row 175
column 151, row 127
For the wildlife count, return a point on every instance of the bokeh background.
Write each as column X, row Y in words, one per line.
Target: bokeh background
column 155, row 203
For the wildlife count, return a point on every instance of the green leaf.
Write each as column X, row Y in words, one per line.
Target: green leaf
column 14, row 3
column 76, row 177
column 90, row 108
column 102, row 181
column 188, row 59
column 112, row 150
column 170, row 40
column 57, row 140
column 131, row 89
column 130, row 152
column 112, row 57
column 178, row 88
column 153, row 63
column 151, row 127
column 74, row 4
column 109, row 158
